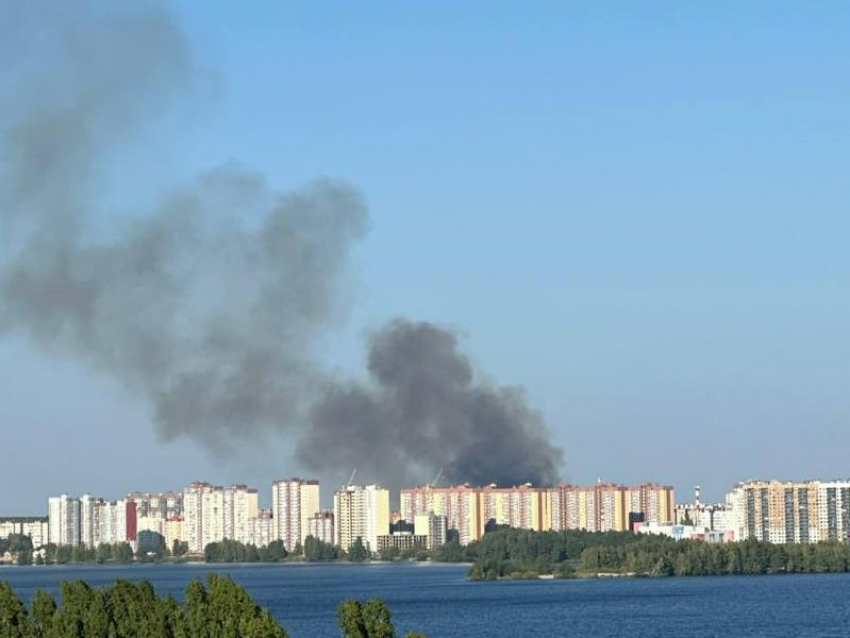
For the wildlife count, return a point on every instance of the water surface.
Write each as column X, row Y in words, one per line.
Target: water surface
column 439, row 600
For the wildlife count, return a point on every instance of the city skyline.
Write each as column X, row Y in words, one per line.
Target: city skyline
column 201, row 515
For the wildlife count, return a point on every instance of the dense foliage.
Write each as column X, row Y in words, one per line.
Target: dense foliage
column 659, row 556
column 368, row 620
column 520, row 553
column 229, row 551
column 19, row 546
column 221, row 609
column 133, row 610
column 358, row 553
column 316, row 550
column 103, row 553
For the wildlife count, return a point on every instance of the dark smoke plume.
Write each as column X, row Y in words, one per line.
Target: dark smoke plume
column 424, row 411
column 209, row 304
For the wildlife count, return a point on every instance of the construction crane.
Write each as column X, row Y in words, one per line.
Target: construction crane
column 437, row 478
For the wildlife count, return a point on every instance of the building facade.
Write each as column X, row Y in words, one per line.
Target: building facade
column 63, row 515
column 294, row 502
column 402, row 541
column 212, row 513
column 241, row 506
column 460, row 504
column 36, row 527
column 791, row 511
column 321, row 526
column 432, row 527
column 605, row 507
column 262, row 528
column 361, row 512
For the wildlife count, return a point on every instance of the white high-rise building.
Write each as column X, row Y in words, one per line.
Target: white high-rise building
column 241, row 507
column 321, row 527
column 193, row 515
column 361, row 512
column 166, row 505
column 212, row 513
column 262, row 528
column 107, row 524
column 294, row 502
column 63, row 513
column 90, row 509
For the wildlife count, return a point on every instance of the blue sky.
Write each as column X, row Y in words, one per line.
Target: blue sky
column 638, row 211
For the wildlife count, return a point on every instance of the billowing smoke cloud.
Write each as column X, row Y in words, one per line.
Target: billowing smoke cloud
column 208, row 305
column 425, row 410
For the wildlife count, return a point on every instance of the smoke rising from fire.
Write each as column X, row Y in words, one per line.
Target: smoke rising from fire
column 208, row 305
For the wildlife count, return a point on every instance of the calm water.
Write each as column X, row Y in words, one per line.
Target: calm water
column 440, row 601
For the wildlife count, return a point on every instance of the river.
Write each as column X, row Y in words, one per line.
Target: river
column 438, row 600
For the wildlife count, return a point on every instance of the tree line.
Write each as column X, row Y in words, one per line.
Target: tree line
column 313, row 550
column 522, row 553
column 51, row 554
column 219, row 609
column 224, row 551
column 659, row 556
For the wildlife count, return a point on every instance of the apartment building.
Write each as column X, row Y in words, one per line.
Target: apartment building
column 294, row 502
column 361, row 512
column 36, row 527
column 321, row 526
column 212, row 513
column 114, row 522
column 521, row 507
column 791, row 511
column 166, row 505
column 460, row 504
column 63, row 515
column 241, row 505
column 604, row 507
column 432, row 527
column 262, row 528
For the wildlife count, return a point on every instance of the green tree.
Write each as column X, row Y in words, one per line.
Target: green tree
column 376, row 619
column 350, row 619
column 123, row 553
column 103, row 553
column 18, row 543
column 63, row 555
column 367, row 620
column 316, row 550
column 24, row 557
column 358, row 553
column 274, row 552
column 43, row 615
column 390, row 553
column 196, row 609
column 179, row 548
column 14, row 619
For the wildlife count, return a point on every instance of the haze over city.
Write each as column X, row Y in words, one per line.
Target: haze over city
column 639, row 220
